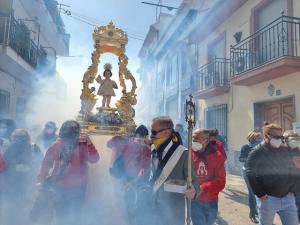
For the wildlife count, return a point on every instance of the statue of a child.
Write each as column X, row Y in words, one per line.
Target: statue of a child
column 107, row 85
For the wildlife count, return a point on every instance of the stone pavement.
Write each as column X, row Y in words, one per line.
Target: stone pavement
column 233, row 203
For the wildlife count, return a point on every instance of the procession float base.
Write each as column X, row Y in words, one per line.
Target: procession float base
column 106, row 122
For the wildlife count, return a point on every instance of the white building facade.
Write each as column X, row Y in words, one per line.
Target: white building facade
column 32, row 34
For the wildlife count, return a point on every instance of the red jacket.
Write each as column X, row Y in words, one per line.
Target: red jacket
column 76, row 172
column 136, row 157
column 210, row 170
column 2, row 162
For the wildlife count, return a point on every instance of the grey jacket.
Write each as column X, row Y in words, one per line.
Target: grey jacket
column 171, row 206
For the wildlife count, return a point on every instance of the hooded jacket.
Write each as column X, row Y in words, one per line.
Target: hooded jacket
column 76, row 172
column 210, row 171
column 136, row 157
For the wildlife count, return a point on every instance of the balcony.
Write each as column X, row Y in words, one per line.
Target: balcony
column 271, row 52
column 16, row 43
column 213, row 79
column 51, row 24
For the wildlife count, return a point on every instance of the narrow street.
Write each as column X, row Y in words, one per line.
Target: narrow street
column 233, row 203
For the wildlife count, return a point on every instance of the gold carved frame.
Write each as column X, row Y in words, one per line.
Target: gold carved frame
column 110, row 39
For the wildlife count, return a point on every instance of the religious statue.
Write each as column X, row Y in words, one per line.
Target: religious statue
column 107, row 86
column 118, row 119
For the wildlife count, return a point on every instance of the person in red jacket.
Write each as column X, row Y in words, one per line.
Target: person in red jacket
column 2, row 162
column 209, row 159
column 131, row 165
column 68, row 160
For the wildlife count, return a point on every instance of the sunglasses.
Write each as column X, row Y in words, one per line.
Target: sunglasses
column 277, row 137
column 155, row 132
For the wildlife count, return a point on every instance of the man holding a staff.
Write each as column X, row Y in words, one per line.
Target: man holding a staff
column 170, row 173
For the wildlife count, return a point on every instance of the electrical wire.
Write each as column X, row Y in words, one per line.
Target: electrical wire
column 92, row 21
column 96, row 21
column 86, row 20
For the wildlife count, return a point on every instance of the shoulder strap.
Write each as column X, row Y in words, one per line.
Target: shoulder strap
column 168, row 168
column 163, row 162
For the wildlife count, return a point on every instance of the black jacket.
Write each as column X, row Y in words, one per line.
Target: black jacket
column 295, row 169
column 245, row 150
column 268, row 171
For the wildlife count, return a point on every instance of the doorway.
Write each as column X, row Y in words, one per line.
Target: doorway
column 281, row 112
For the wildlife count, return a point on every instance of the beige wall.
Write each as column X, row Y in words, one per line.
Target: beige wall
column 296, row 7
column 241, row 119
column 5, row 6
column 203, row 104
column 241, row 99
column 14, row 87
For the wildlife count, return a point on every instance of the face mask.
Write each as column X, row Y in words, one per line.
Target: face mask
column 158, row 141
column 276, row 143
column 196, row 146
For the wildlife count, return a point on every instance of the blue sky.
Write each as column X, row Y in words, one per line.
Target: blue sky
column 130, row 15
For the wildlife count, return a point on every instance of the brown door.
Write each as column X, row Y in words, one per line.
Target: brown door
column 280, row 112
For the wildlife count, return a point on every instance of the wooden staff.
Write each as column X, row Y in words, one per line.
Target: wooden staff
column 190, row 119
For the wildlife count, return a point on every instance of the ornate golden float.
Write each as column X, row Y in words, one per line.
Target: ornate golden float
column 111, row 121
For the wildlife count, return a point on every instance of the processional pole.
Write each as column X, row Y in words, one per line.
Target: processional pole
column 190, row 112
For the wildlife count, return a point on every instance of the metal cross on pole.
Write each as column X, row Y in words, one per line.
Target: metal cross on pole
column 190, row 115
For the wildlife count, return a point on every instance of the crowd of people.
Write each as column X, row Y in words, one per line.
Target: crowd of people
column 57, row 171
column 149, row 163
column 152, row 170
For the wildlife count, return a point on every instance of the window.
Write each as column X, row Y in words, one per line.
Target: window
column 172, row 70
column 216, row 117
column 272, row 43
column 270, row 12
column 4, row 102
column 217, row 49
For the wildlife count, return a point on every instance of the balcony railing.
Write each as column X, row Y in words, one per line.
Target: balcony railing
column 280, row 38
column 214, row 74
column 16, row 35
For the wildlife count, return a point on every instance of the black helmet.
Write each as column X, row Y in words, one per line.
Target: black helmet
column 142, row 131
column 69, row 129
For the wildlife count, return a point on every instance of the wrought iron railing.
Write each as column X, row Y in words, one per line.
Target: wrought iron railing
column 47, row 66
column 15, row 34
column 215, row 73
column 278, row 39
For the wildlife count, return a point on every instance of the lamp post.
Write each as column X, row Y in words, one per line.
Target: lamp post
column 190, row 118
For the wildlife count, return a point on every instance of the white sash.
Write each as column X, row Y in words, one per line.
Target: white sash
column 169, row 167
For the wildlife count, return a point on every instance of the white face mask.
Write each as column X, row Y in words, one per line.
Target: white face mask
column 196, row 146
column 276, row 143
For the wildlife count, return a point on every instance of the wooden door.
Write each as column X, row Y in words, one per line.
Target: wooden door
column 272, row 113
column 280, row 112
column 288, row 115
